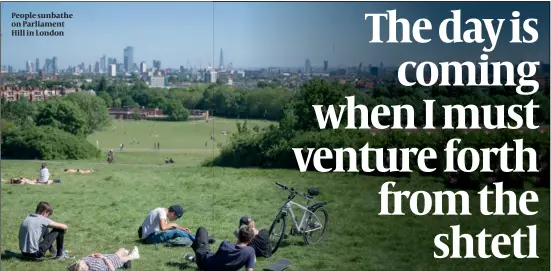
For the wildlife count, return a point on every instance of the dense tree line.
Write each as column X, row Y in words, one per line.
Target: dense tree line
column 220, row 100
column 298, row 127
column 53, row 129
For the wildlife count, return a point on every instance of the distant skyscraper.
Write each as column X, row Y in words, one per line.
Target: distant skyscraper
column 143, row 67
column 128, row 58
column 102, row 63
column 37, row 65
column 113, row 70
column 307, row 66
column 109, row 62
column 221, row 63
column 325, row 65
column 157, row 64
column 54, row 64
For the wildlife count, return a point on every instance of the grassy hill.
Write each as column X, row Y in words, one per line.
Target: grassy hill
column 104, row 209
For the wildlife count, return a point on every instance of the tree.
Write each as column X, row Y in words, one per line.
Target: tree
column 106, row 98
column 94, row 109
column 20, row 111
column 64, row 115
column 176, row 111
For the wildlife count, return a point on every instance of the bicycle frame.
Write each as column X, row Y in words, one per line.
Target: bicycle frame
column 299, row 227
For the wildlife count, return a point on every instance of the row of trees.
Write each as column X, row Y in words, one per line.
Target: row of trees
column 272, row 146
column 53, row 129
column 220, row 100
column 268, row 102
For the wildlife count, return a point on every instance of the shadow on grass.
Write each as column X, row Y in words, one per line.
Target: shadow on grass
column 182, row 266
column 7, row 255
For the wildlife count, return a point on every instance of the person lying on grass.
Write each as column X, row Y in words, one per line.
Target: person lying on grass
column 229, row 257
column 34, row 238
column 261, row 240
column 155, row 229
column 102, row 262
column 23, row 180
column 81, row 171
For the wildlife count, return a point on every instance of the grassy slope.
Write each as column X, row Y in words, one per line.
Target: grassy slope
column 103, row 211
column 170, row 135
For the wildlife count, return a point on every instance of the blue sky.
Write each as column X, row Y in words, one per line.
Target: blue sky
column 257, row 34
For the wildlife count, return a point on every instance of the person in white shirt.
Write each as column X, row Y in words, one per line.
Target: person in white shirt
column 157, row 229
column 44, row 175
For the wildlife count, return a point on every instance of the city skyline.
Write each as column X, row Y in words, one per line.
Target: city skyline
column 255, row 34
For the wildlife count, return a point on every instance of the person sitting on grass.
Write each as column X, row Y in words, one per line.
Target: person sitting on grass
column 34, row 238
column 229, row 257
column 44, row 175
column 261, row 239
column 155, row 229
column 101, row 262
column 81, row 171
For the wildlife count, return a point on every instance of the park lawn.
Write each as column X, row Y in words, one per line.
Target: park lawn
column 170, row 135
column 104, row 209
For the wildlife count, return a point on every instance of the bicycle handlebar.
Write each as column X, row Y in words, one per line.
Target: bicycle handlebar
column 291, row 190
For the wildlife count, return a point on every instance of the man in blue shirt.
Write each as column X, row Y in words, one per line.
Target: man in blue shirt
column 229, row 257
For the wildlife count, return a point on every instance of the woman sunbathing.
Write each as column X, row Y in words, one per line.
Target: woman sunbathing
column 101, row 262
column 22, row 180
column 81, row 171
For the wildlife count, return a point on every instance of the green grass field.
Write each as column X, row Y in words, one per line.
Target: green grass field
column 171, row 135
column 104, row 209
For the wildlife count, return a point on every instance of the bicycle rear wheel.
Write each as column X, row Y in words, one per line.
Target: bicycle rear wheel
column 313, row 223
column 277, row 231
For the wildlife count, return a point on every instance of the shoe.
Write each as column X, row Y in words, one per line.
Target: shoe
column 211, row 240
column 135, row 254
column 127, row 265
column 189, row 258
column 63, row 256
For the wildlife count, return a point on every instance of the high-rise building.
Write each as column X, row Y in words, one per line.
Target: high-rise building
column 54, row 64
column 157, row 64
column 37, row 65
column 211, row 76
column 307, row 66
column 325, row 65
column 128, row 55
column 221, row 63
column 113, row 70
column 143, row 67
column 97, row 67
column 102, row 63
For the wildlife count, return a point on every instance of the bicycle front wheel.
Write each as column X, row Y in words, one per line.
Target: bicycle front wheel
column 318, row 227
column 277, row 231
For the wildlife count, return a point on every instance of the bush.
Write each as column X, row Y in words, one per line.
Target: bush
column 46, row 143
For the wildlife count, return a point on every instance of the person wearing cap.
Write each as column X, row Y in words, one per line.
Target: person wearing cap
column 157, row 229
column 228, row 257
column 261, row 240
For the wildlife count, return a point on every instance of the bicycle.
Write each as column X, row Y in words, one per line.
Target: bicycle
column 309, row 222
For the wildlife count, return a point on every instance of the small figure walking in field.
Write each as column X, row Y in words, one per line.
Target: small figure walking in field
column 206, row 144
column 122, row 146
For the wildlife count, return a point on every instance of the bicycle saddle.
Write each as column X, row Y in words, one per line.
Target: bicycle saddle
column 312, row 191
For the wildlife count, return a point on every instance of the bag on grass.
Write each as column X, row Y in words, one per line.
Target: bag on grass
column 179, row 242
